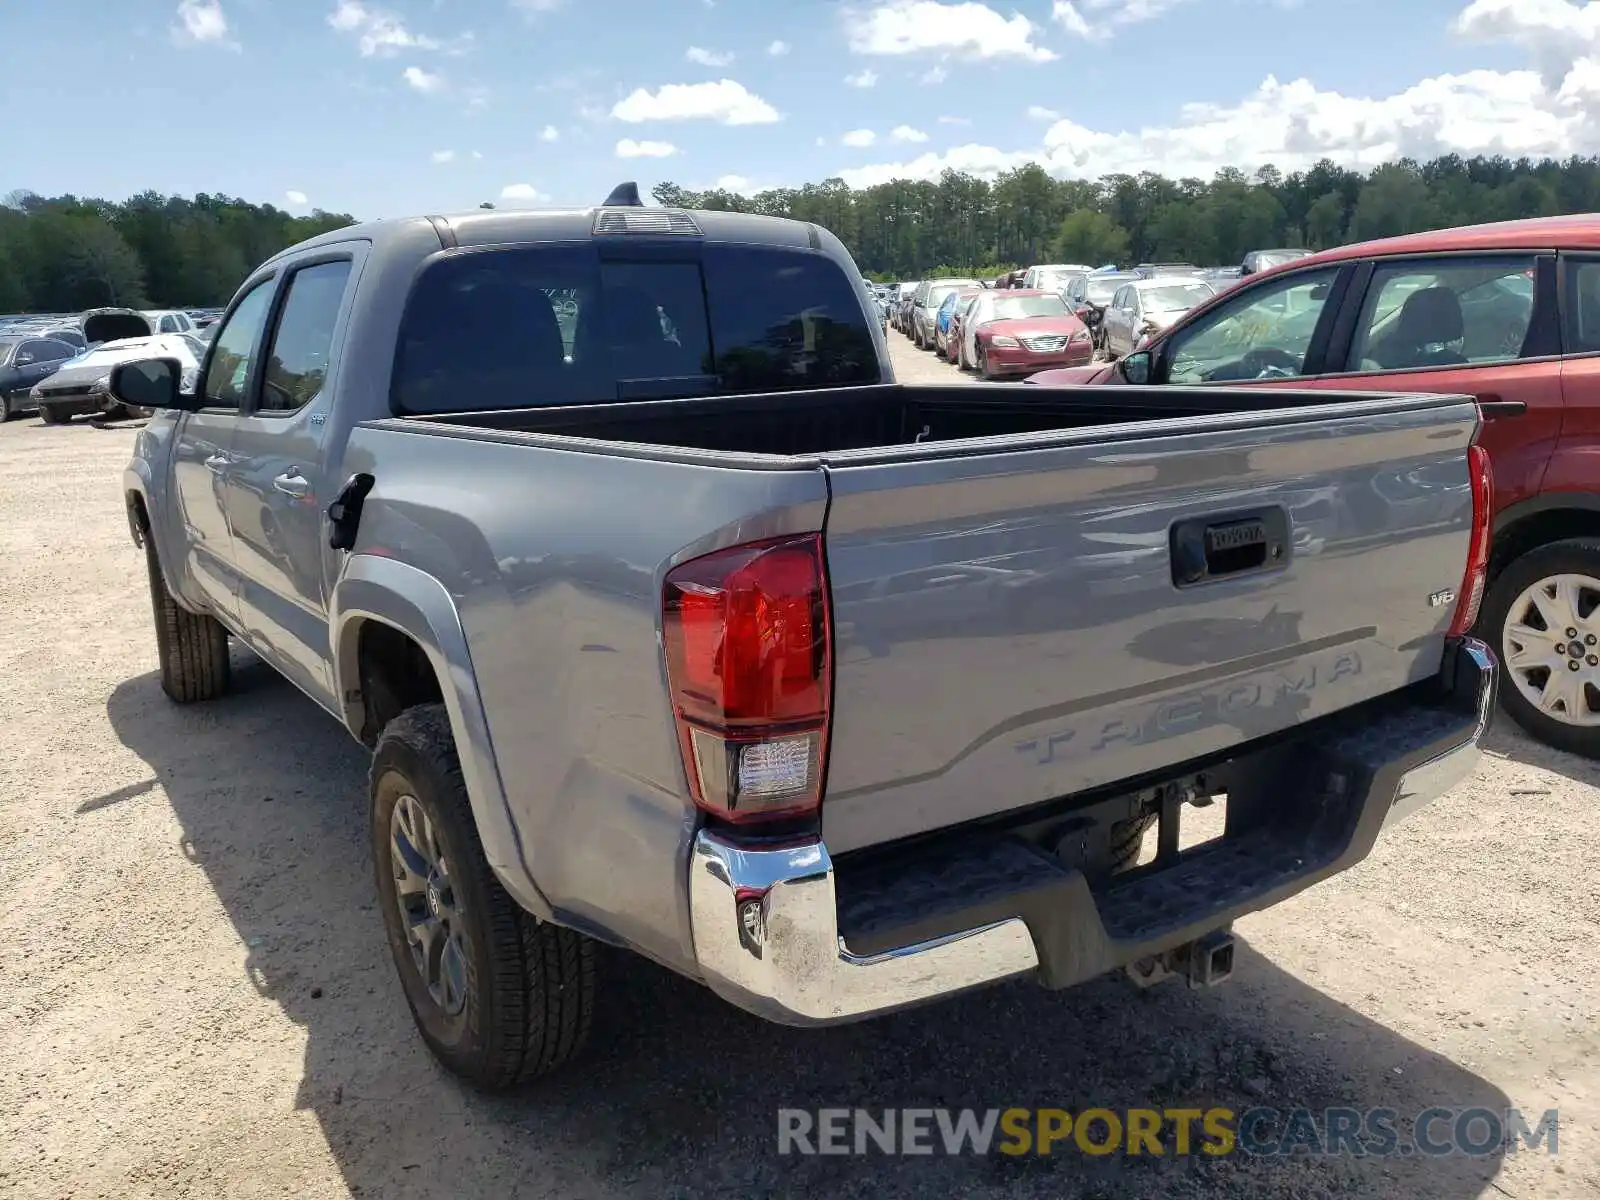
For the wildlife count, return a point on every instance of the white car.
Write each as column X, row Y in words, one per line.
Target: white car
column 82, row 385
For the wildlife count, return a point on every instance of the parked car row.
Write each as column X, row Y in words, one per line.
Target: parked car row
column 59, row 365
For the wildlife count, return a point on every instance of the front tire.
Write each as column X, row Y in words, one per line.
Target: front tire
column 6, row 411
column 499, row 996
column 51, row 416
column 192, row 647
column 1542, row 617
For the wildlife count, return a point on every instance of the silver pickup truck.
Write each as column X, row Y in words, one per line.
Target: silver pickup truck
column 673, row 622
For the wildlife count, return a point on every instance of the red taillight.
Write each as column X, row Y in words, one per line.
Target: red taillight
column 1471, row 593
column 749, row 664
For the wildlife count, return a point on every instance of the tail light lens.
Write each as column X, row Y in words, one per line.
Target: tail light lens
column 1472, row 582
column 749, row 665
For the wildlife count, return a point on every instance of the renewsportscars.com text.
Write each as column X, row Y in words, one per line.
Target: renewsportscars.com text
column 1160, row 1132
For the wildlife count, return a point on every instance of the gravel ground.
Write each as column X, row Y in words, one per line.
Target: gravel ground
column 197, row 1000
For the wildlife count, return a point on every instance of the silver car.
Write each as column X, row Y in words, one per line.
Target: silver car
column 1145, row 307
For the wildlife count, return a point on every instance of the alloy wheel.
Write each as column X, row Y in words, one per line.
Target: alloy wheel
column 1550, row 645
column 431, row 911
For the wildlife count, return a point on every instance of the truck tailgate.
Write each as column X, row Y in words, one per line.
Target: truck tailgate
column 1026, row 622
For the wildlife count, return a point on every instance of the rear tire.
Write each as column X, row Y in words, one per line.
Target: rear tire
column 517, row 997
column 192, row 647
column 1507, row 604
column 6, row 410
column 1127, row 838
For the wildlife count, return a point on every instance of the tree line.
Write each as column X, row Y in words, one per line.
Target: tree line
column 961, row 224
column 66, row 253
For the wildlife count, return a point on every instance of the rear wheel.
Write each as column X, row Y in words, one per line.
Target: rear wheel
column 1542, row 617
column 5, row 407
column 1127, row 838
column 499, row 996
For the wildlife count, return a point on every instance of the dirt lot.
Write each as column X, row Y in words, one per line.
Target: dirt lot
column 196, row 999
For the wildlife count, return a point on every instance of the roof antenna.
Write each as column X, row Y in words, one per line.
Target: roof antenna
column 624, row 195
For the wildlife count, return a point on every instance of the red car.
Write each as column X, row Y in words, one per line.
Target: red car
column 1509, row 313
column 1019, row 332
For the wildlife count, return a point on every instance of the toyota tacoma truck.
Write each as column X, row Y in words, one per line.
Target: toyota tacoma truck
column 673, row 622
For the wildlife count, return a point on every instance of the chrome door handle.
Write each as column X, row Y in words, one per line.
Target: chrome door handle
column 292, row 483
column 216, row 462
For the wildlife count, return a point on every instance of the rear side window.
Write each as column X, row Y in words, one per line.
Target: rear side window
column 1455, row 311
column 550, row 325
column 1583, row 305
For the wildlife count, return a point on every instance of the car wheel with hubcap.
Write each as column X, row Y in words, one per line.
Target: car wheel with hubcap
column 499, row 996
column 1542, row 617
column 5, row 407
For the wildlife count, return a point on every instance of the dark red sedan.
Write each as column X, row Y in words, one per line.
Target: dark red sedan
column 1017, row 332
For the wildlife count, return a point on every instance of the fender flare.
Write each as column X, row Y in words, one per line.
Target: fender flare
column 385, row 590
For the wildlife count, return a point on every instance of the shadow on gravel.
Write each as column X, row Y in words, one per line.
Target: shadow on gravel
column 679, row 1094
column 1507, row 739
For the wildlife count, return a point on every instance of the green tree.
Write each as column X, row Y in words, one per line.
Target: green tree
column 1088, row 236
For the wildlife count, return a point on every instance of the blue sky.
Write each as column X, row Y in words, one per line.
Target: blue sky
column 403, row 106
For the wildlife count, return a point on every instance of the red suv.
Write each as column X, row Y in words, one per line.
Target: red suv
column 1509, row 313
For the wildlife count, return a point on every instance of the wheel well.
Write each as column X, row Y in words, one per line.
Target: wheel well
column 1540, row 529
column 395, row 674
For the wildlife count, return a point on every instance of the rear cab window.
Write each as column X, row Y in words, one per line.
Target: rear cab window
column 528, row 326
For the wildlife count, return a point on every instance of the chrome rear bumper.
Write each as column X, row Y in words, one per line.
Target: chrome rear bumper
column 765, row 919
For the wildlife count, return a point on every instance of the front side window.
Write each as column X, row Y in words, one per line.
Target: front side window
column 234, row 349
column 46, row 350
column 1263, row 333
column 297, row 362
column 1444, row 312
column 533, row 326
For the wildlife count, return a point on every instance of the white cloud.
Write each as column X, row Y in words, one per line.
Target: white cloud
column 731, row 183
column 778, row 48
column 1557, row 33
column 298, row 199
column 1292, row 125
column 628, row 148
column 984, row 161
column 969, row 29
column 905, row 133
column 1037, row 112
column 444, row 156
column 202, row 23
column 707, row 58
column 724, row 101
column 549, row 134
column 955, row 121
column 822, row 141
column 477, row 154
column 862, row 79
column 1094, row 20
column 423, row 81
column 933, row 75
column 534, row 8
column 525, row 192
column 859, row 137
column 377, row 32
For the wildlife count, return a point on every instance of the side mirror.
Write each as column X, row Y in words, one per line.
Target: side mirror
column 151, row 383
column 1136, row 367
column 1320, row 291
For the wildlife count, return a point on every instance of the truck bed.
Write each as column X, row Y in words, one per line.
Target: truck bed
column 1020, row 612
column 862, row 420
